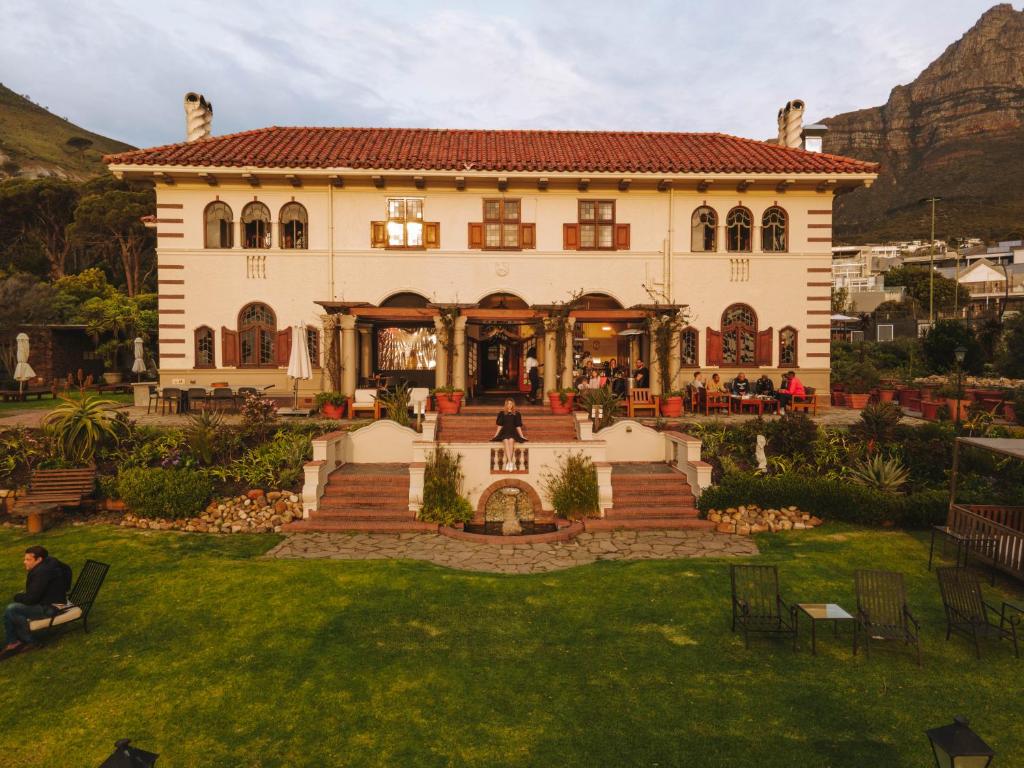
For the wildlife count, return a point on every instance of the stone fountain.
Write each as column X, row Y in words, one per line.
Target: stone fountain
column 510, row 525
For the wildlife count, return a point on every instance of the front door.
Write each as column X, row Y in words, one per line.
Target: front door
column 499, row 369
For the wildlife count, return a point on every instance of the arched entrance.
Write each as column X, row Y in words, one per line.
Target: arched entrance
column 501, row 347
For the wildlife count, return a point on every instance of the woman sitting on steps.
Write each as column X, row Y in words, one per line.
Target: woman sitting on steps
column 509, row 432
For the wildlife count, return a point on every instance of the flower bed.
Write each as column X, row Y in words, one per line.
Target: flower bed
column 253, row 512
column 747, row 519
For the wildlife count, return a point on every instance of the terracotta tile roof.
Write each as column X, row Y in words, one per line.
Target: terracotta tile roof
column 416, row 149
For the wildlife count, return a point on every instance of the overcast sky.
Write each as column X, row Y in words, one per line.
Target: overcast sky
column 121, row 67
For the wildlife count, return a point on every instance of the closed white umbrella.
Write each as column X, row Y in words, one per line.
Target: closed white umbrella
column 23, row 371
column 139, row 366
column 299, row 366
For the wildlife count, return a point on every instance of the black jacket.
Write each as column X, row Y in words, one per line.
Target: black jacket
column 46, row 584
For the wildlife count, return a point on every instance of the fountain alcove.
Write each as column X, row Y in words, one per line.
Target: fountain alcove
column 510, row 512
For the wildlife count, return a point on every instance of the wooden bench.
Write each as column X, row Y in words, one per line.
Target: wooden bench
column 37, row 392
column 640, row 399
column 55, row 489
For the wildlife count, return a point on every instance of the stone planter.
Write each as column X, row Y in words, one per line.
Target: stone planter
column 907, row 393
column 448, row 402
column 672, row 407
column 857, row 400
column 930, row 409
column 1009, row 412
column 557, row 406
column 113, row 377
column 332, row 411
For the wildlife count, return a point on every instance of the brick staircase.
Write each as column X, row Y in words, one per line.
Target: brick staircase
column 366, row 498
column 649, row 496
column 479, row 428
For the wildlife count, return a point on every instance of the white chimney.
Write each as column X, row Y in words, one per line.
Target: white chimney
column 814, row 137
column 198, row 117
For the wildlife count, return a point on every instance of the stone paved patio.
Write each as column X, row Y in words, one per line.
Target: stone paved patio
column 515, row 558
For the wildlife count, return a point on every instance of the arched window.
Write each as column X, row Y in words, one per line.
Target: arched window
column 313, row 346
column 255, row 225
column 773, row 230
column 787, row 347
column 739, row 335
column 219, row 226
column 690, row 352
column 737, row 229
column 257, row 331
column 704, row 230
column 294, row 225
column 204, row 347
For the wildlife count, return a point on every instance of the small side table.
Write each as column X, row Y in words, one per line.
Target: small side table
column 823, row 612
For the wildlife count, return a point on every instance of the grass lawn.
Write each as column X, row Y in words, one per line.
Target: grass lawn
column 10, row 408
column 212, row 657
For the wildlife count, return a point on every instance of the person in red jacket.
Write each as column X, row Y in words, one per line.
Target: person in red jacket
column 791, row 387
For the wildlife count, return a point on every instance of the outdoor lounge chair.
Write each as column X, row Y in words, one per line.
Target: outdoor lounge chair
column 80, row 598
column 969, row 614
column 882, row 612
column 757, row 605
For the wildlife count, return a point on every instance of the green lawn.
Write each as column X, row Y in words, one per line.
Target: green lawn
column 212, row 657
column 13, row 407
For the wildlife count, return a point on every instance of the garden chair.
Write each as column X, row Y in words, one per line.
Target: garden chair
column 757, row 605
column 807, row 403
column 80, row 598
column 969, row 614
column 715, row 401
column 154, row 398
column 170, row 400
column 364, row 400
column 243, row 391
column 882, row 612
column 197, row 397
column 221, row 397
column 640, row 399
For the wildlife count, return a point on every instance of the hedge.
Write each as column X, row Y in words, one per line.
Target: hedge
column 167, row 493
column 828, row 499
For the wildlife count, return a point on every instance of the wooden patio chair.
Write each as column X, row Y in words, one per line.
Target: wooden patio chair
column 969, row 614
column 882, row 612
column 364, row 400
column 757, row 605
column 716, row 401
column 154, row 398
column 808, row 403
column 80, row 598
column 640, row 399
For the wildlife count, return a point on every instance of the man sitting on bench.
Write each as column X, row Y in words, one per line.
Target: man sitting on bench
column 46, row 587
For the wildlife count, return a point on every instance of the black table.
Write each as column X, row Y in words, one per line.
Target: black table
column 822, row 612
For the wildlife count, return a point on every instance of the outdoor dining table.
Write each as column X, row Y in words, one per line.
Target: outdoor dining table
column 740, row 404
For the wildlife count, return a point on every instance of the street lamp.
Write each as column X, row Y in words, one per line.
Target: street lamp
column 959, row 354
column 931, row 262
column 957, row 746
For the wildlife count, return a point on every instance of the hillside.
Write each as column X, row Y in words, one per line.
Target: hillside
column 957, row 131
column 34, row 142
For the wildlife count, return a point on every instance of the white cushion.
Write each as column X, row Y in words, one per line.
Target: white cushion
column 69, row 615
column 418, row 399
column 365, row 396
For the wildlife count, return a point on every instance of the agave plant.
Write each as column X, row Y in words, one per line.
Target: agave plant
column 396, row 403
column 882, row 474
column 605, row 403
column 80, row 426
column 201, row 435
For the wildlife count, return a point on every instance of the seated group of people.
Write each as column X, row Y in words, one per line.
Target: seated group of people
column 741, row 386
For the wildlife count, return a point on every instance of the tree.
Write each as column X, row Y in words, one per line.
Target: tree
column 24, row 300
column 73, row 291
column 1011, row 358
column 941, row 341
column 38, row 211
column 919, row 285
column 840, row 300
column 117, row 319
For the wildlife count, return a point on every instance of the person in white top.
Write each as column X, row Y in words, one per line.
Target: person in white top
column 532, row 373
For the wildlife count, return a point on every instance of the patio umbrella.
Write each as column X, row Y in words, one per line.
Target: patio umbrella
column 139, row 366
column 299, row 366
column 844, row 319
column 23, row 371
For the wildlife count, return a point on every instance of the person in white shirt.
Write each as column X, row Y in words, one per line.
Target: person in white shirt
column 532, row 373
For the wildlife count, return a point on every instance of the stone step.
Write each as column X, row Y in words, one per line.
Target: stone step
column 649, row 524
column 355, row 513
column 659, row 500
column 635, row 513
column 335, row 501
column 361, row 526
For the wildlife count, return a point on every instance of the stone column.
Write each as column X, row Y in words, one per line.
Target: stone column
column 567, row 374
column 653, row 367
column 459, row 366
column 674, row 359
column 348, row 354
column 365, row 356
column 441, row 355
column 550, row 363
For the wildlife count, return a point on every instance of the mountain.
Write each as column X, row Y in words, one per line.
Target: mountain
column 956, row 132
column 34, row 142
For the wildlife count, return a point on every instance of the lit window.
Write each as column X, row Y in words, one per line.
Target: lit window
column 405, row 222
column 597, row 224
column 501, row 223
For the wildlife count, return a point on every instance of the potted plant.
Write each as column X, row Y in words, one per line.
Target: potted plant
column 838, row 395
column 887, row 391
column 953, row 397
column 1013, row 407
column 672, row 404
column 331, row 404
column 561, row 400
column 859, row 379
column 448, row 399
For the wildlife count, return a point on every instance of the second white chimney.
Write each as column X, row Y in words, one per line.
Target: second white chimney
column 198, row 117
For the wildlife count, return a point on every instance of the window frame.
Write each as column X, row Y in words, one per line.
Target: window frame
column 195, row 348
column 750, row 230
column 691, row 331
column 714, row 228
column 313, row 346
column 737, row 329
column 785, row 230
column 282, row 227
column 796, row 347
column 596, row 222
column 268, row 236
column 260, row 328
column 405, row 224
column 502, row 222
column 229, row 229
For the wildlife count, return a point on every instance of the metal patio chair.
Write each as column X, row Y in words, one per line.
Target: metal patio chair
column 80, row 598
column 757, row 605
column 882, row 612
column 968, row 614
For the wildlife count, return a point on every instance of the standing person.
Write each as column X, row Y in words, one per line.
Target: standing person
column 509, row 432
column 791, row 387
column 532, row 373
column 47, row 581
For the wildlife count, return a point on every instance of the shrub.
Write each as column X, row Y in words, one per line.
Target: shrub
column 878, row 423
column 258, row 416
column 858, row 377
column 80, row 426
column 201, row 434
column 396, row 404
column 443, row 480
column 572, row 487
column 793, row 435
column 336, row 399
column 607, row 403
column 277, row 463
column 942, row 340
column 175, row 493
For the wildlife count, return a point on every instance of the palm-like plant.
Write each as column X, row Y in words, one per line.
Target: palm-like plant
column 396, row 403
column 605, row 403
column 877, row 423
column 80, row 425
column 879, row 473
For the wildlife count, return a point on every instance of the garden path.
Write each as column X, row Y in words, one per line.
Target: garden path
column 512, row 557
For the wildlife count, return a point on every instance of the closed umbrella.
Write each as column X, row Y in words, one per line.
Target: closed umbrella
column 23, row 371
column 299, row 366
column 139, row 366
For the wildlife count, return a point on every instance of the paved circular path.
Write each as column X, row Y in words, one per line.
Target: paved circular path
column 515, row 558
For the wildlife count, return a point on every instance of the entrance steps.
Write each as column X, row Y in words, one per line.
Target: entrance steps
column 369, row 498
column 479, row 428
column 649, row 496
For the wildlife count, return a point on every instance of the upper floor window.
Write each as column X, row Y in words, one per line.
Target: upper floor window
column 704, row 230
column 738, row 225
column 204, row 347
column 597, row 224
column 219, row 225
column 294, row 225
column 257, row 330
column 773, row 230
column 405, row 222
column 255, row 225
column 501, row 223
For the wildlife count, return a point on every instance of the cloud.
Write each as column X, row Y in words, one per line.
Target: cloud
column 120, row 68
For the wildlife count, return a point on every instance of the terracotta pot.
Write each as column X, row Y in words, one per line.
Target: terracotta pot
column 448, row 402
column 838, row 398
column 908, row 393
column 332, row 411
column 672, row 406
column 857, row 400
column 114, row 505
column 1009, row 413
column 957, row 405
column 930, row 409
column 36, row 522
column 886, row 395
column 557, row 406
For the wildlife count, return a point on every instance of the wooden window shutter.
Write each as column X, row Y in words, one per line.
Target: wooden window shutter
column 622, row 237
column 528, row 235
column 378, row 234
column 228, row 347
column 763, row 355
column 476, row 235
column 431, row 234
column 570, row 237
column 714, row 347
column 283, row 347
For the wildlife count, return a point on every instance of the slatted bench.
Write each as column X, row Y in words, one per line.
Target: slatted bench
column 50, row 490
column 7, row 395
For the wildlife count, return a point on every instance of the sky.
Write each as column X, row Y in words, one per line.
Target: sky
column 121, row 67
